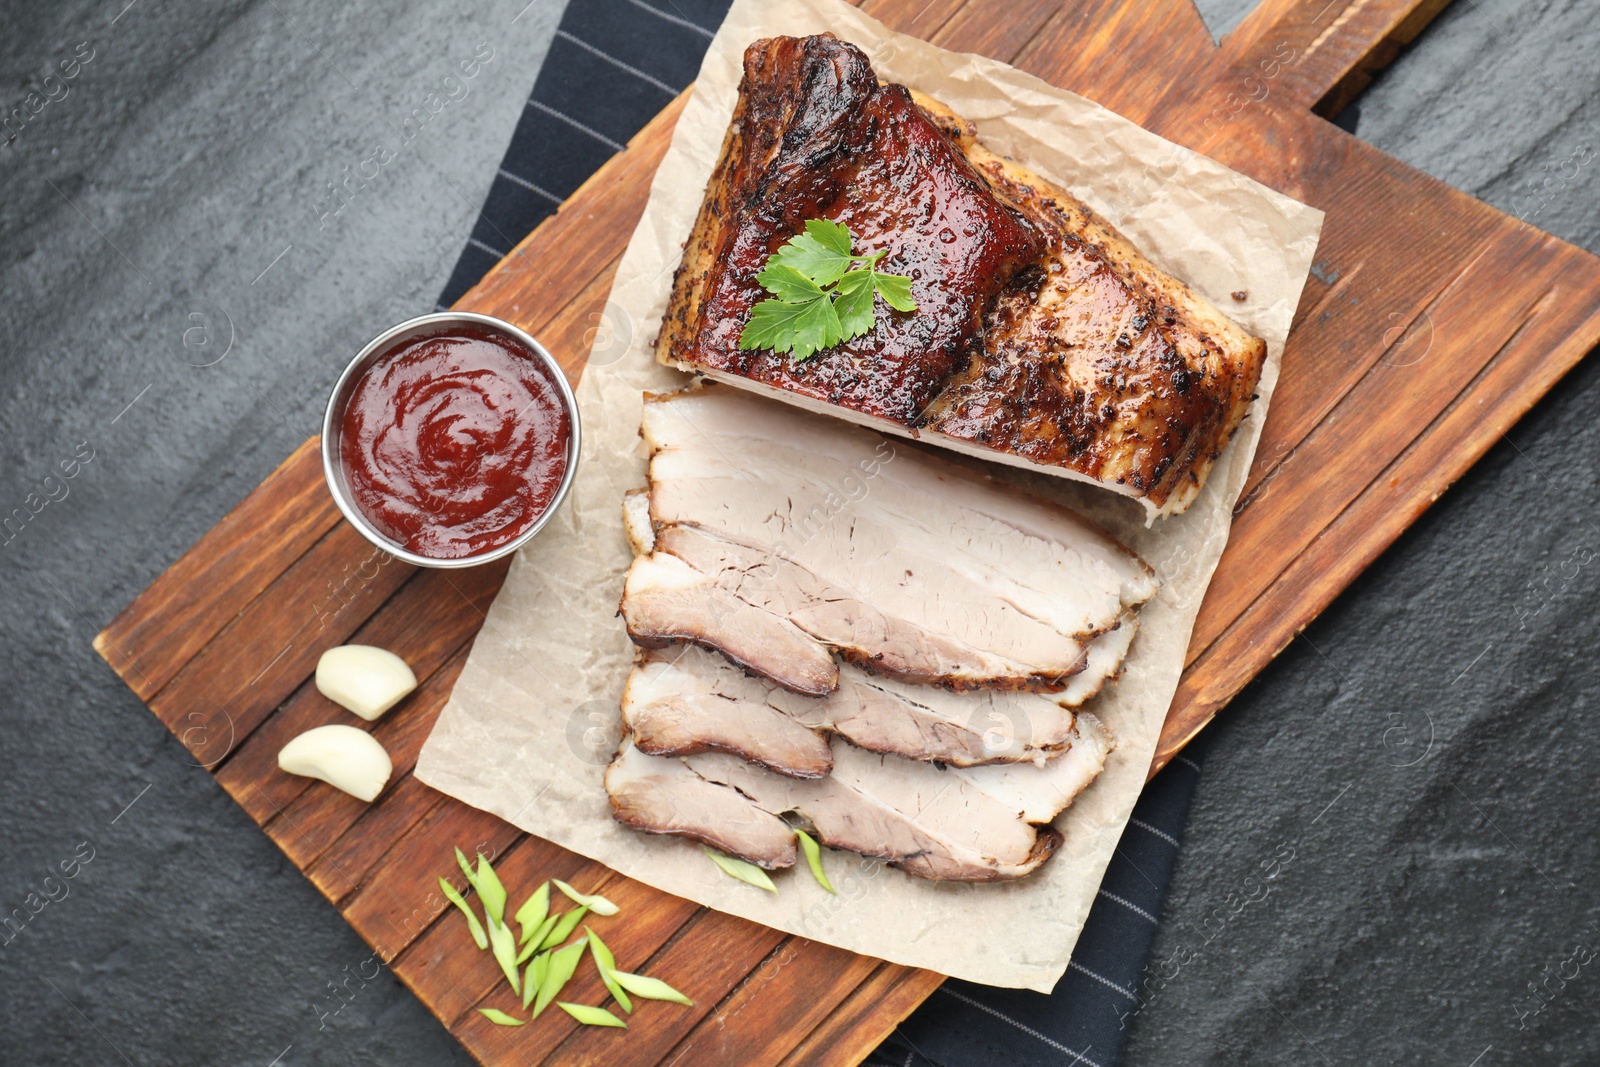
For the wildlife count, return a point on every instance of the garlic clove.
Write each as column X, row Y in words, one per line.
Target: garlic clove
column 343, row 756
column 364, row 679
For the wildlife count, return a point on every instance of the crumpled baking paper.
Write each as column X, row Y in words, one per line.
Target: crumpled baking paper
column 533, row 719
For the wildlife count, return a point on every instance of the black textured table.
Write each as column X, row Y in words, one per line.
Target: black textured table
column 1415, row 770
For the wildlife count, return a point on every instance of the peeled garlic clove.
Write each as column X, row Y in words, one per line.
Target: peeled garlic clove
column 363, row 678
column 343, row 756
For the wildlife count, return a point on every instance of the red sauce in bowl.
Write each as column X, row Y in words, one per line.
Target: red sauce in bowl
column 455, row 443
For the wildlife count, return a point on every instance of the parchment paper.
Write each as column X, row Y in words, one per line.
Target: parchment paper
column 533, row 719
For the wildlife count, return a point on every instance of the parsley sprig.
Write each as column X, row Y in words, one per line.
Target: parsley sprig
column 821, row 293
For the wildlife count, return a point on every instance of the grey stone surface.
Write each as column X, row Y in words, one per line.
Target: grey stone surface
column 1441, row 707
column 185, row 171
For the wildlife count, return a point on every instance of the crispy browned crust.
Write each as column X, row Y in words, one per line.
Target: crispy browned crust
column 1077, row 355
column 1107, row 365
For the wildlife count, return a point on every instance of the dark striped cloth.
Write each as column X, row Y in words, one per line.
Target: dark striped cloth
column 612, row 66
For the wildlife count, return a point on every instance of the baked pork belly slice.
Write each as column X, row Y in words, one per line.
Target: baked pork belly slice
column 663, row 796
column 926, row 820
column 1073, row 354
column 1038, row 793
column 665, row 599
column 683, row 700
column 832, row 615
column 1102, row 364
column 915, row 536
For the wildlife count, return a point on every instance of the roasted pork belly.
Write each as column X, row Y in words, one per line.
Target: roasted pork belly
column 905, row 565
column 682, row 700
column 663, row 796
column 929, row 821
column 1042, row 338
column 815, row 136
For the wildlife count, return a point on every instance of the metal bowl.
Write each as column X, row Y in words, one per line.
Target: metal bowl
column 333, row 427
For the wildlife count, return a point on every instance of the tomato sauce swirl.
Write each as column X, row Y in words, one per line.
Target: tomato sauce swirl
column 456, row 442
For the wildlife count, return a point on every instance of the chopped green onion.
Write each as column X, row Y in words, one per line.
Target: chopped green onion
column 742, row 870
column 649, row 988
column 608, row 963
column 504, row 944
column 590, row 1016
column 534, row 978
column 593, row 901
column 491, row 891
column 466, row 868
column 564, row 927
column 454, row 897
column 563, row 964
column 534, row 911
column 536, row 939
column 813, row 852
column 500, row 1018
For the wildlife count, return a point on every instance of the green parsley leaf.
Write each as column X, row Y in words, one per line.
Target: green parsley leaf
column 804, row 329
column 822, row 293
column 822, row 253
column 787, row 283
column 854, row 305
column 895, row 290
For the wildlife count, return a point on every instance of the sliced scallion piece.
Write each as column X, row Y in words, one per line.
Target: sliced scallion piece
column 500, row 1018
column 564, row 927
column 742, row 870
column 504, row 943
column 533, row 978
column 607, row 963
column 454, row 897
column 563, row 964
column 492, row 892
column 593, row 901
column 533, row 912
column 589, row 1016
column 649, row 988
column 466, row 868
column 813, row 852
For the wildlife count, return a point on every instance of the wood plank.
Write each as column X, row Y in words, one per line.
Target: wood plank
column 783, row 988
column 1360, row 440
column 869, row 1015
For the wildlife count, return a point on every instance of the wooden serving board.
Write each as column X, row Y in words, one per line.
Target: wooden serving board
column 1432, row 323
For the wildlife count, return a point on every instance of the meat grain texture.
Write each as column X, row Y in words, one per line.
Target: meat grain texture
column 903, row 680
